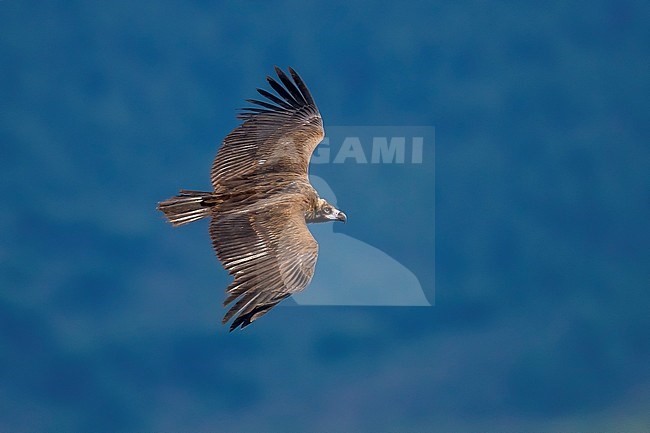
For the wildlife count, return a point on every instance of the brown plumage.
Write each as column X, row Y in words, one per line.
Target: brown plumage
column 262, row 200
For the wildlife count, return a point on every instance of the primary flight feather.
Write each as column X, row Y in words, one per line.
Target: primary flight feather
column 262, row 200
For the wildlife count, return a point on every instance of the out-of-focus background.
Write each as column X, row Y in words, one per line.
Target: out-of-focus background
column 110, row 320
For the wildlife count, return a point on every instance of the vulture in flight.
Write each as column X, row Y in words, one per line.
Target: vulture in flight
column 262, row 200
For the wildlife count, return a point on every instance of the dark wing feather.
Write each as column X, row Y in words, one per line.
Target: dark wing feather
column 303, row 88
column 270, row 253
column 277, row 136
column 270, row 96
column 271, row 107
column 288, row 84
column 283, row 92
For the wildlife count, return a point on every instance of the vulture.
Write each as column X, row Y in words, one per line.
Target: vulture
column 262, row 200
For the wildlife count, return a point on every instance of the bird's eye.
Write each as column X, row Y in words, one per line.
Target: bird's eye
column 327, row 210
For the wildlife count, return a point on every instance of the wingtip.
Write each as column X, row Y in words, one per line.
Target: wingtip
column 280, row 72
column 234, row 325
column 240, row 323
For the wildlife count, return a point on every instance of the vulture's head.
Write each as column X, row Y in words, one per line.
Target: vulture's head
column 326, row 212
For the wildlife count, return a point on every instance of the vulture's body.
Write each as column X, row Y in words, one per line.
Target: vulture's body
column 262, row 200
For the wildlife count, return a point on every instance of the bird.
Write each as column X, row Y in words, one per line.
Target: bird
column 261, row 200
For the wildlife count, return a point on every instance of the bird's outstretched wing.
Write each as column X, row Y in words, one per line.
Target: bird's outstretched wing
column 278, row 135
column 270, row 253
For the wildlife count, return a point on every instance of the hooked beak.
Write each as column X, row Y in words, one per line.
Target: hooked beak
column 341, row 217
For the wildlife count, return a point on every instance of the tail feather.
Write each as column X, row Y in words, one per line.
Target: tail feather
column 186, row 207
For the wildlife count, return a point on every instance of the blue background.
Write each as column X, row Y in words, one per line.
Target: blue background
column 110, row 320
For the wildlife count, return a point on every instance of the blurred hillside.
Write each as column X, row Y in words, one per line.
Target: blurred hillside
column 110, row 320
